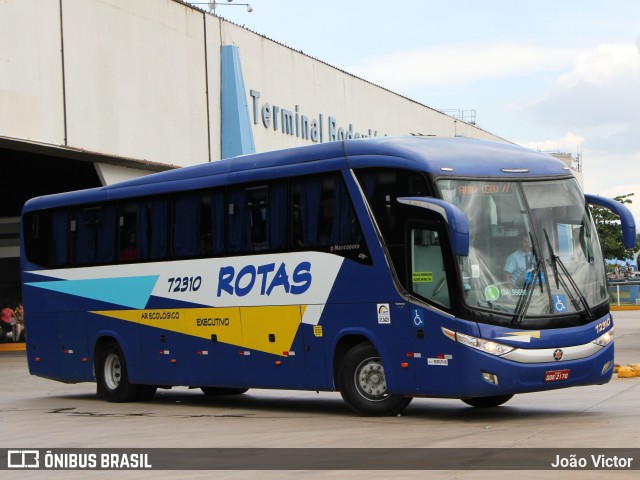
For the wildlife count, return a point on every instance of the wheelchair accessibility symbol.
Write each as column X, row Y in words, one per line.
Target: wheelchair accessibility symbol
column 418, row 317
column 559, row 303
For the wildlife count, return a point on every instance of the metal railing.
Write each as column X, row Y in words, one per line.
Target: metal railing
column 624, row 293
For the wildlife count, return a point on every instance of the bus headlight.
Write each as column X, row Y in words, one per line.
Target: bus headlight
column 487, row 346
column 605, row 339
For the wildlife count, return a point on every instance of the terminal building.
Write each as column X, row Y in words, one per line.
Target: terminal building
column 97, row 91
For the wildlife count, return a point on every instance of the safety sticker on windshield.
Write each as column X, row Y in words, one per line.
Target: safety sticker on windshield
column 491, row 293
column 422, row 277
column 560, row 303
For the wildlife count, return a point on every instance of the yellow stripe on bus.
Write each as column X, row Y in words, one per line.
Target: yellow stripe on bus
column 270, row 329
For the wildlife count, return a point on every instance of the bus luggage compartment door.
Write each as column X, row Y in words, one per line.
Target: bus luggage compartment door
column 274, row 355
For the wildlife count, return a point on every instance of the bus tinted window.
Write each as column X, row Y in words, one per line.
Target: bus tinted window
column 323, row 218
column 152, row 228
column 93, row 234
column 257, row 218
column 382, row 187
column 142, row 229
column 322, row 213
column 428, row 273
column 187, row 209
column 237, row 220
column 198, row 224
column 47, row 237
column 128, row 231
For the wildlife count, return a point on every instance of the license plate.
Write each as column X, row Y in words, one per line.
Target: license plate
column 556, row 375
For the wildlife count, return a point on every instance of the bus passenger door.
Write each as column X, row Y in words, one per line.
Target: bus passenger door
column 429, row 282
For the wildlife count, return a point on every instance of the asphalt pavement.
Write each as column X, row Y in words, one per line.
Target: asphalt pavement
column 41, row 414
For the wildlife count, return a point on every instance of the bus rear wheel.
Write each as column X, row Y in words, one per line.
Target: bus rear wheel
column 363, row 384
column 487, row 402
column 112, row 377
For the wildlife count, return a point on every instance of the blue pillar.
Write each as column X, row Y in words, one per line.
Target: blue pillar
column 237, row 135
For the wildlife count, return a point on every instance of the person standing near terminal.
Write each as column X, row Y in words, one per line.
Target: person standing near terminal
column 5, row 321
column 20, row 332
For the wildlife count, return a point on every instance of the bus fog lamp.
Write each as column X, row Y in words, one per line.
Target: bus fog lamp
column 605, row 367
column 490, row 377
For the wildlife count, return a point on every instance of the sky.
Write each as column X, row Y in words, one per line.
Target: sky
column 553, row 75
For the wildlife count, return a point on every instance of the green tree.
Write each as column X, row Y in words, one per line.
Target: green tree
column 609, row 231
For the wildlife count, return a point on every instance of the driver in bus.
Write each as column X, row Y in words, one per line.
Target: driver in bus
column 518, row 262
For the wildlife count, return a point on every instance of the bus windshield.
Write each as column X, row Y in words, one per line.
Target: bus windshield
column 533, row 248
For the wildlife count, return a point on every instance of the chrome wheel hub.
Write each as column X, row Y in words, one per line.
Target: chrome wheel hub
column 370, row 380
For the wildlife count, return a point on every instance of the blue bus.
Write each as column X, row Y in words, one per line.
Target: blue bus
column 385, row 269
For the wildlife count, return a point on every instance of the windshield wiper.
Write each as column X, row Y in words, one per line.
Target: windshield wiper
column 555, row 261
column 525, row 300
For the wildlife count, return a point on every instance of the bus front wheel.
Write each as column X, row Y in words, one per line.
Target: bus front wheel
column 363, row 383
column 112, row 377
column 487, row 402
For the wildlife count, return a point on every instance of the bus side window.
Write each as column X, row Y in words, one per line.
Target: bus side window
column 323, row 216
column 60, row 234
column 198, row 224
column 212, row 224
column 239, row 233
column 93, row 230
column 47, row 237
column 127, row 232
column 258, row 218
column 428, row 273
column 314, row 212
column 142, row 229
column 187, row 210
column 278, row 201
column 382, row 187
column 153, row 216
column 257, row 208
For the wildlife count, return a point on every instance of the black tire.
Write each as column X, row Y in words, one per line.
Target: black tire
column 487, row 402
column 111, row 376
column 363, row 384
column 217, row 391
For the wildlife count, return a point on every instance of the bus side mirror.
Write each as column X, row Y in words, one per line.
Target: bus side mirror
column 627, row 222
column 453, row 217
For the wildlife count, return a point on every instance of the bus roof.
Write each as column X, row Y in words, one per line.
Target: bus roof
column 439, row 156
